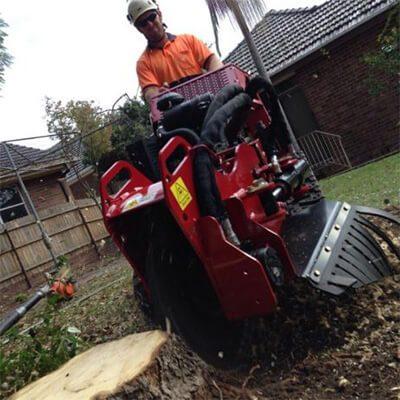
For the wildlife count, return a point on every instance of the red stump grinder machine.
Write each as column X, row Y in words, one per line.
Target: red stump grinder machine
column 219, row 212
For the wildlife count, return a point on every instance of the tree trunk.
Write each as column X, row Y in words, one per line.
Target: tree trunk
column 249, row 39
column 258, row 61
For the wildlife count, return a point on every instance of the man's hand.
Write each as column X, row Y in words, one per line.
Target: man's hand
column 153, row 91
column 213, row 63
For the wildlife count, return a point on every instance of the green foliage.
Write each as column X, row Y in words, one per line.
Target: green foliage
column 37, row 353
column 384, row 63
column 133, row 122
column 376, row 184
column 80, row 120
column 62, row 261
column 5, row 57
column 21, row 297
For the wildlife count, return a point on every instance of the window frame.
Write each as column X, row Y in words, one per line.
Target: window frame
column 23, row 203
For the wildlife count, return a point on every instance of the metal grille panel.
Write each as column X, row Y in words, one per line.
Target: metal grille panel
column 211, row 82
column 324, row 149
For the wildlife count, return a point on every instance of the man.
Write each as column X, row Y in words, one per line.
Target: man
column 168, row 59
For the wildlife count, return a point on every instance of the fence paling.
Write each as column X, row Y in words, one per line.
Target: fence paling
column 86, row 224
column 27, row 250
column 21, row 246
column 14, row 250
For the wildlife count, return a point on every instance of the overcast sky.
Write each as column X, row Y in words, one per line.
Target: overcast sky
column 85, row 50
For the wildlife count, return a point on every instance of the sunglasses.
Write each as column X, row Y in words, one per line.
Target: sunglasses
column 143, row 23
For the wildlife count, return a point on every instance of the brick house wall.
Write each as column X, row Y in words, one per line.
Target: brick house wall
column 334, row 86
column 78, row 188
column 46, row 191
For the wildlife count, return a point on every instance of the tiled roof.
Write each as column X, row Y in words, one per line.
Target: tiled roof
column 23, row 156
column 73, row 152
column 284, row 37
column 26, row 157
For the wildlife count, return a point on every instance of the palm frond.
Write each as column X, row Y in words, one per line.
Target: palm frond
column 252, row 10
column 5, row 58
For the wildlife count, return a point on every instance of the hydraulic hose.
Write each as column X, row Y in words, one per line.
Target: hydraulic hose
column 188, row 114
column 213, row 133
column 222, row 97
column 208, row 195
column 186, row 133
column 278, row 129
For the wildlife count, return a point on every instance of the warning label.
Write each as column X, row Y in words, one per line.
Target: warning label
column 181, row 193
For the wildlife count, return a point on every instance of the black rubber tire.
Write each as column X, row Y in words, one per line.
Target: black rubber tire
column 182, row 293
column 141, row 298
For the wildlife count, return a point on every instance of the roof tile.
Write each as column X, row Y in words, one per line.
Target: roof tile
column 285, row 36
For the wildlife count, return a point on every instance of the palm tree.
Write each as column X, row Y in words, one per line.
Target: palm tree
column 5, row 58
column 245, row 12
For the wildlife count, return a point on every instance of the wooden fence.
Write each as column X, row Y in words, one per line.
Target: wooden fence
column 75, row 230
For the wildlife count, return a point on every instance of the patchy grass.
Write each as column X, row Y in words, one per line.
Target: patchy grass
column 35, row 353
column 103, row 309
column 376, row 184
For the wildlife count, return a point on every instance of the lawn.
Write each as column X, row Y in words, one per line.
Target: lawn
column 376, row 184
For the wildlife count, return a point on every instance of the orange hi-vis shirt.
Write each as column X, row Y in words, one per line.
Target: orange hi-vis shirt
column 181, row 56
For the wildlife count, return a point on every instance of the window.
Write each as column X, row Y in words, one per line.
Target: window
column 12, row 205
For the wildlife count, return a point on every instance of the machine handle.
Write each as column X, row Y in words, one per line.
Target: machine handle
column 135, row 179
column 168, row 150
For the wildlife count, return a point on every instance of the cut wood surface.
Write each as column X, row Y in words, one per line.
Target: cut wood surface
column 98, row 372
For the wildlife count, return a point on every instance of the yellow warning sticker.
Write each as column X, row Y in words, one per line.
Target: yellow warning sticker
column 181, row 193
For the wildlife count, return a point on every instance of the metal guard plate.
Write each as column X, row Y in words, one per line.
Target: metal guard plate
column 332, row 245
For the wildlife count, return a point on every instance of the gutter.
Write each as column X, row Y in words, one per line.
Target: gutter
column 39, row 171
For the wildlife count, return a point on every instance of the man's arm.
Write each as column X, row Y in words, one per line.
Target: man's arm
column 213, row 63
column 150, row 92
column 148, row 81
column 205, row 57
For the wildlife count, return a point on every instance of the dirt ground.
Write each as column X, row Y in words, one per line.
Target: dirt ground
column 316, row 346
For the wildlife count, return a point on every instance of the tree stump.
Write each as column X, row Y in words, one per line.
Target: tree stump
column 144, row 366
column 98, row 372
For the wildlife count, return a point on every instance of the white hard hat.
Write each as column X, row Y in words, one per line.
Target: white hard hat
column 136, row 8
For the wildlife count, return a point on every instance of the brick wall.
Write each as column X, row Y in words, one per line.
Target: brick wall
column 334, row 85
column 78, row 188
column 46, row 191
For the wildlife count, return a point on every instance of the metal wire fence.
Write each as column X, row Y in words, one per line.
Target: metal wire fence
column 324, row 150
